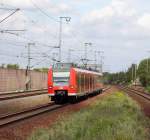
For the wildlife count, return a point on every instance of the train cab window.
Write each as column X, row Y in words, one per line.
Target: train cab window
column 61, row 81
column 61, row 78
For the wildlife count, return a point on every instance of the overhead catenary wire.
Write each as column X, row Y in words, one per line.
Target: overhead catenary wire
column 16, row 43
column 30, row 40
column 9, row 15
column 38, row 63
column 42, row 27
column 43, row 12
column 37, row 7
column 73, row 34
column 16, row 34
column 7, row 9
column 9, row 31
column 45, row 55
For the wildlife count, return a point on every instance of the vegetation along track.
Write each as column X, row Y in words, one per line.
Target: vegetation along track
column 137, row 92
column 141, row 97
column 15, row 117
column 14, row 95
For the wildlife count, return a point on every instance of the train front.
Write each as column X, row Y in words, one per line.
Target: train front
column 59, row 84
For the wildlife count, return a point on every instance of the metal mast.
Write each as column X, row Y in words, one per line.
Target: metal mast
column 60, row 33
column 28, row 74
column 86, row 45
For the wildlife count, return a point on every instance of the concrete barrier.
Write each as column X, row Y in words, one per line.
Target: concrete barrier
column 16, row 79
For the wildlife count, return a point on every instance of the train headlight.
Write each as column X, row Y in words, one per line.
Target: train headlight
column 50, row 87
column 72, row 87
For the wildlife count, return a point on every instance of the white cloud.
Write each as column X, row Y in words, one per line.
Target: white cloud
column 116, row 9
column 62, row 7
column 48, row 5
column 116, row 27
column 144, row 21
column 122, row 8
column 98, row 15
column 118, row 20
column 17, row 3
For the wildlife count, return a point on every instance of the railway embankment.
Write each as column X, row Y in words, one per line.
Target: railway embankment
column 20, row 130
column 20, row 104
column 115, row 117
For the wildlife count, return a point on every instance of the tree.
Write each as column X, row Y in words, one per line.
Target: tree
column 41, row 69
column 144, row 72
column 121, row 77
column 12, row 66
column 131, row 73
column 45, row 70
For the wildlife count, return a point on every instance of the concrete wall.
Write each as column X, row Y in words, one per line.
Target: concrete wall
column 12, row 80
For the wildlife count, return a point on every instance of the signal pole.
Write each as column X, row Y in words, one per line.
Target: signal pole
column 29, row 54
column 54, row 58
column 86, row 45
column 135, row 73
column 69, row 55
column 60, row 33
column 101, row 60
column 28, row 74
column 132, row 73
column 95, row 60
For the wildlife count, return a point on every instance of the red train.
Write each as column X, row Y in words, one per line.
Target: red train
column 68, row 83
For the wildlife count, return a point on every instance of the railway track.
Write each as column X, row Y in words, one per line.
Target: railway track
column 28, row 113
column 105, row 89
column 19, row 116
column 14, row 95
column 137, row 92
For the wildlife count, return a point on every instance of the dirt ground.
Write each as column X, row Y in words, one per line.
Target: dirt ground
column 21, row 130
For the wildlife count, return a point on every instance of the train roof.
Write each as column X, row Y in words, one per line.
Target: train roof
column 65, row 67
column 87, row 71
column 62, row 67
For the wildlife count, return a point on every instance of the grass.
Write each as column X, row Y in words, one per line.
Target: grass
column 116, row 117
column 148, row 89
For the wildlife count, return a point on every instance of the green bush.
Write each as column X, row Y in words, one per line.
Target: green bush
column 148, row 89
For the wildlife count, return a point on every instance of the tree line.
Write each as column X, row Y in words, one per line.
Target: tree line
column 136, row 74
column 16, row 66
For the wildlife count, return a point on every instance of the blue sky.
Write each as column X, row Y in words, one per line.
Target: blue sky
column 120, row 28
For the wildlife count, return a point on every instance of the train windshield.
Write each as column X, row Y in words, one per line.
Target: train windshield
column 61, row 79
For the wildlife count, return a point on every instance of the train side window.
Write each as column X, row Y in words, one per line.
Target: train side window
column 79, row 86
column 79, row 82
column 82, row 82
column 84, row 76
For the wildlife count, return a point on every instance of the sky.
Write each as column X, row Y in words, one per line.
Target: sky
column 118, row 28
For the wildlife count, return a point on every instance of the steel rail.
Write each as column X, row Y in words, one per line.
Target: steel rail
column 19, row 116
column 105, row 89
column 23, row 91
column 28, row 113
column 15, row 95
column 140, row 91
column 133, row 91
